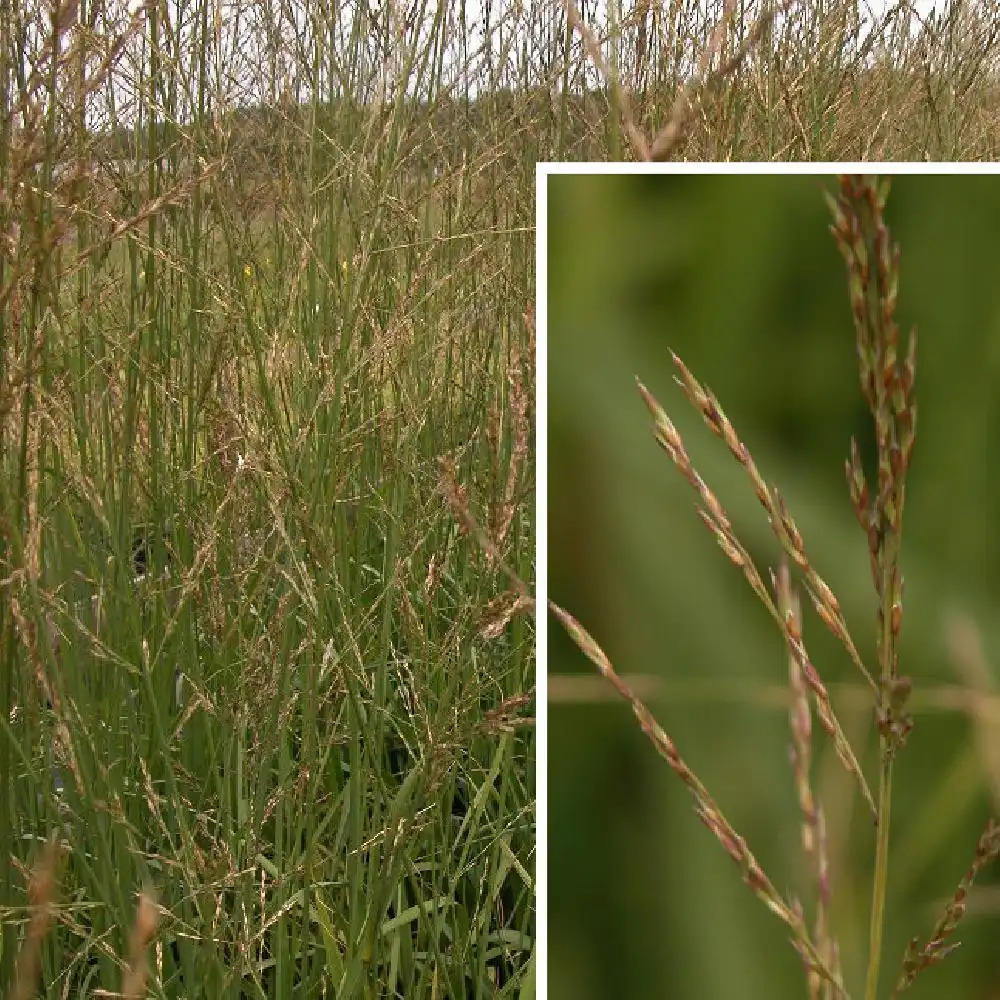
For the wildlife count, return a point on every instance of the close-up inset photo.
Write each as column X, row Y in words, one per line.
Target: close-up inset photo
column 773, row 658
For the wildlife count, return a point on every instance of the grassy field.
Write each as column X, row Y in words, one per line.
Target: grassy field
column 266, row 507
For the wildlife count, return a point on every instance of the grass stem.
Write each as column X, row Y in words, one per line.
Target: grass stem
column 880, row 881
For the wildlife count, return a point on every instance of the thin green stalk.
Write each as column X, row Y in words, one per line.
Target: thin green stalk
column 880, row 882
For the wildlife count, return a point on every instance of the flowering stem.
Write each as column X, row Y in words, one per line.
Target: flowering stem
column 887, row 382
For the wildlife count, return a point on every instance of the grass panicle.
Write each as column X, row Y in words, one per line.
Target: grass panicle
column 872, row 260
column 814, row 841
column 705, row 806
column 718, row 522
column 937, row 947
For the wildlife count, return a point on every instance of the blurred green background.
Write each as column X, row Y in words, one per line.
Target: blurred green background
column 742, row 278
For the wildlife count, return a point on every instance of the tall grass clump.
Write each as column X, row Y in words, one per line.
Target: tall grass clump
column 782, row 79
column 264, row 703
column 878, row 497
